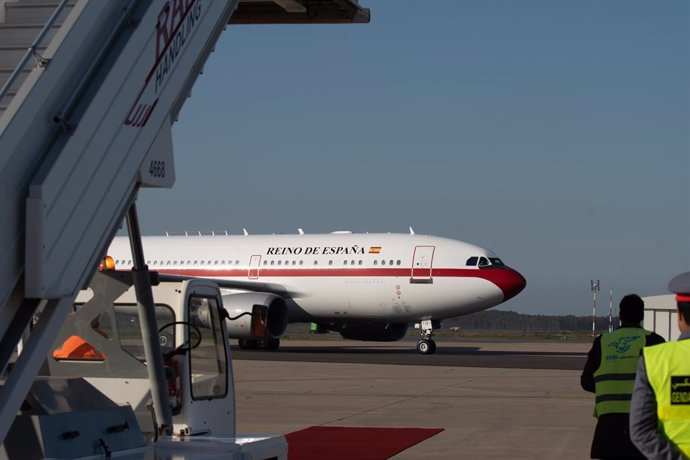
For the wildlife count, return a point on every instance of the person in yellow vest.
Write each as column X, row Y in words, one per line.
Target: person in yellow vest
column 660, row 409
column 609, row 373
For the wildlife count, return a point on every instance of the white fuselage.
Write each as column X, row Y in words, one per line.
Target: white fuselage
column 342, row 276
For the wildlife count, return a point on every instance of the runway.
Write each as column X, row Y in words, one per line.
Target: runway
column 519, row 400
column 497, row 354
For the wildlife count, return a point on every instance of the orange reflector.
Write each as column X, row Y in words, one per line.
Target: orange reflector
column 106, row 264
column 259, row 319
column 77, row 348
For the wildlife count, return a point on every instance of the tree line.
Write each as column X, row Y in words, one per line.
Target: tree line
column 513, row 321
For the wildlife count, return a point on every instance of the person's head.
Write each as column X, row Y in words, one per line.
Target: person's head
column 680, row 285
column 631, row 310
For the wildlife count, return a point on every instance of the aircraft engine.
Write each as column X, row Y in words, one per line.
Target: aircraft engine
column 258, row 315
column 373, row 331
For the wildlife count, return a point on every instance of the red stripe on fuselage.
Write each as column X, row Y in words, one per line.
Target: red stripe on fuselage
column 508, row 280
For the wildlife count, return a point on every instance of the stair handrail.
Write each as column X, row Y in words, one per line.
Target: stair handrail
column 31, row 51
column 125, row 20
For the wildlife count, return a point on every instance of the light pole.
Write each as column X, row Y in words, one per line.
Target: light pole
column 595, row 288
column 610, row 310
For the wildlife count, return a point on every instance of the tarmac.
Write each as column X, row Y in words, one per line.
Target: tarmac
column 489, row 412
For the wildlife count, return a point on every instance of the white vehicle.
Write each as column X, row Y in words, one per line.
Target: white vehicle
column 365, row 286
column 94, row 395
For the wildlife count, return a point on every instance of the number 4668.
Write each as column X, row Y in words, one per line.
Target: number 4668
column 157, row 168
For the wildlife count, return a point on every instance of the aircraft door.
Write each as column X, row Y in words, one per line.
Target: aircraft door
column 253, row 272
column 422, row 261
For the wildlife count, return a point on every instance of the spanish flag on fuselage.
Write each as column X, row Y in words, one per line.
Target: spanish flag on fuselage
column 374, row 249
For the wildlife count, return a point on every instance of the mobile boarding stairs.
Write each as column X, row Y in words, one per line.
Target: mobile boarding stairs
column 89, row 91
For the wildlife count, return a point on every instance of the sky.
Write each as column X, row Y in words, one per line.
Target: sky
column 555, row 133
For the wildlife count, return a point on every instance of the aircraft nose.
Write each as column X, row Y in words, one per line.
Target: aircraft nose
column 510, row 281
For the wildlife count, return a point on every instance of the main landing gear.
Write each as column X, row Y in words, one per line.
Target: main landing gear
column 263, row 344
column 426, row 345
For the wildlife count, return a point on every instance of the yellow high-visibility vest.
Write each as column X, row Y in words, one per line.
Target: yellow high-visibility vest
column 668, row 372
column 614, row 380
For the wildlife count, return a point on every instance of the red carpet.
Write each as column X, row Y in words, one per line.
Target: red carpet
column 340, row 442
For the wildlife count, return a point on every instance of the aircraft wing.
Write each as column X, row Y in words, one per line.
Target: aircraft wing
column 254, row 286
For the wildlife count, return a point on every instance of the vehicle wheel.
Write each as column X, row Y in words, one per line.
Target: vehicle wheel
column 267, row 344
column 246, row 344
column 272, row 344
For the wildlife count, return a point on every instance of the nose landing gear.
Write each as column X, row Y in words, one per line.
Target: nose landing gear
column 426, row 345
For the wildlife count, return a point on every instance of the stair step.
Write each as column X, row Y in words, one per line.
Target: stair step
column 11, row 55
column 32, row 13
column 5, row 73
column 34, row 2
column 5, row 101
column 24, row 34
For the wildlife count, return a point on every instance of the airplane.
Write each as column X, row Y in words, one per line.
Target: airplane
column 366, row 286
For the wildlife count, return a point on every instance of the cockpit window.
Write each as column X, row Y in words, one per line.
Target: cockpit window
column 484, row 262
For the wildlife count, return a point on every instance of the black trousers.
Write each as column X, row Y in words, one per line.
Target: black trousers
column 612, row 438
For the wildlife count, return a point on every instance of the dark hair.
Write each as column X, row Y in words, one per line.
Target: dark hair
column 684, row 311
column 631, row 309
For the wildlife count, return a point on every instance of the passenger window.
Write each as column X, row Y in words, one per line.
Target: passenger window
column 472, row 261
